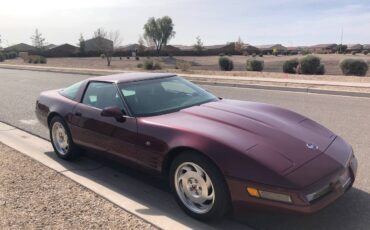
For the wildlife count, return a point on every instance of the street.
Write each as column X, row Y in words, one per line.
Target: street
column 348, row 117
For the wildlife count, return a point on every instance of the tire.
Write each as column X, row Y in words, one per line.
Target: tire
column 211, row 187
column 63, row 146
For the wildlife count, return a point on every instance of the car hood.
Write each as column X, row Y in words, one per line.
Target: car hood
column 280, row 137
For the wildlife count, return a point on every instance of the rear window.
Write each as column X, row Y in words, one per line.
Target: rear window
column 71, row 91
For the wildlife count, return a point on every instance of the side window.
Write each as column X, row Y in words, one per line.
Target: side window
column 72, row 91
column 101, row 95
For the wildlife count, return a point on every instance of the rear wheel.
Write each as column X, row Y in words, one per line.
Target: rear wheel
column 199, row 187
column 61, row 139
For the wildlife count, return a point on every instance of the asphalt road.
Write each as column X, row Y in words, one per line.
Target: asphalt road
column 349, row 117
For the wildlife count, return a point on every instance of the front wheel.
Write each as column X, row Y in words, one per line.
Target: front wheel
column 61, row 139
column 199, row 187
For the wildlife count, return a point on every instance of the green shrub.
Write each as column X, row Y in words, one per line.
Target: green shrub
column 357, row 67
column 305, row 52
column 36, row 59
column 310, row 64
column 140, row 65
column 151, row 65
column 42, row 60
column 157, row 65
column 290, row 66
column 254, row 65
column 148, row 64
column 183, row 65
column 11, row 55
column 226, row 64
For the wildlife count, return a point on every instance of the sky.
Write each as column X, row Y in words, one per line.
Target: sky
column 288, row 22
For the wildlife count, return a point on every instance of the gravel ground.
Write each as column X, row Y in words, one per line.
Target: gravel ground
column 33, row 196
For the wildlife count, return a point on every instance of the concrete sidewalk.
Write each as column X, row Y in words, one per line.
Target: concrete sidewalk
column 297, row 85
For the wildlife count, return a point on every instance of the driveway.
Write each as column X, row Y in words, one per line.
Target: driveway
column 347, row 116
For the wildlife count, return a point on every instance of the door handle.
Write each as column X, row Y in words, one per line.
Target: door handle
column 78, row 114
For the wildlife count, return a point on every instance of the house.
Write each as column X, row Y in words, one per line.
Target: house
column 354, row 48
column 132, row 47
column 269, row 49
column 184, row 48
column 21, row 47
column 366, row 47
column 50, row 46
column 98, row 44
column 65, row 50
column 249, row 49
column 170, row 48
column 323, row 48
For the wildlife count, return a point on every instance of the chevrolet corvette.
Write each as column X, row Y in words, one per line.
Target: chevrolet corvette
column 218, row 155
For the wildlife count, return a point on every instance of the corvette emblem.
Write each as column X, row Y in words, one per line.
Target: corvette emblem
column 312, row 146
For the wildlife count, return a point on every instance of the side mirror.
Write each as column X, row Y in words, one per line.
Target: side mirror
column 114, row 112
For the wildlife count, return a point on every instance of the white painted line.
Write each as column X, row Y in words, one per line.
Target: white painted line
column 136, row 197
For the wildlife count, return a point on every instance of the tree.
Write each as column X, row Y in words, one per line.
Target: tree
column 107, row 43
column 239, row 45
column 38, row 40
column 82, row 44
column 198, row 46
column 141, row 44
column 159, row 31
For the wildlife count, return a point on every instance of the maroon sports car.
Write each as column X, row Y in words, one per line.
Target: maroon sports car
column 218, row 154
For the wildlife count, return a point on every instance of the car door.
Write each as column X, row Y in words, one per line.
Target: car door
column 104, row 133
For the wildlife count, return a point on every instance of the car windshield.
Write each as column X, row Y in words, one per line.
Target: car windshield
column 163, row 95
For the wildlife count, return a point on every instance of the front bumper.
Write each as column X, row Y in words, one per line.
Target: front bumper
column 303, row 201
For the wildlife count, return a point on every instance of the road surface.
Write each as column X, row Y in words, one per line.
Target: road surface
column 349, row 117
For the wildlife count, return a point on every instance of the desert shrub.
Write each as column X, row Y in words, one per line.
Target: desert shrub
column 254, row 55
column 128, row 57
column 157, row 65
column 310, row 64
column 140, row 65
column 290, row 66
column 254, row 65
column 357, row 67
column 305, row 52
column 36, row 59
column 102, row 56
column 151, row 65
column 226, row 64
column 261, row 54
column 221, row 54
column 137, row 58
column 183, row 65
column 321, row 69
column 42, row 60
column 148, row 64
column 11, row 55
column 2, row 57
column 353, row 52
column 366, row 52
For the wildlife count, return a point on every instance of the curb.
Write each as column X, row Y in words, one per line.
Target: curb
column 262, row 84
column 148, row 203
